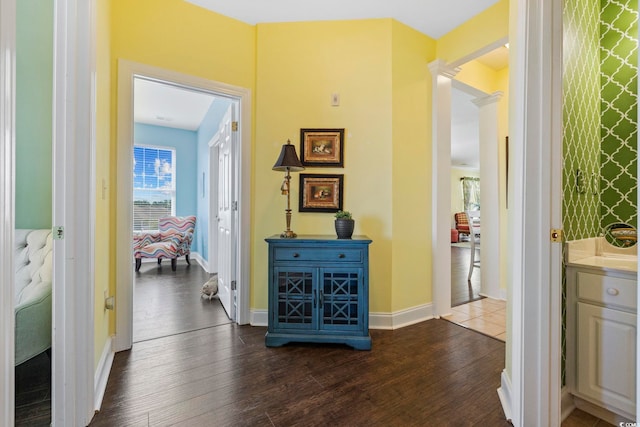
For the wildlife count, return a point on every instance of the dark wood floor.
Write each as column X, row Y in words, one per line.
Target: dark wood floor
column 434, row 373
column 168, row 302
column 33, row 392
column 431, row 374
column 462, row 290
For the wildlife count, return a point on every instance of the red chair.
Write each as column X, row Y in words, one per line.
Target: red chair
column 462, row 224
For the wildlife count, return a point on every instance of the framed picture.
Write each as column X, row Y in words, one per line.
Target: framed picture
column 322, row 147
column 320, row 193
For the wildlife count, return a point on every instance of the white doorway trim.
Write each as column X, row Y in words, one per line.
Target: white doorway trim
column 127, row 70
column 7, row 210
column 489, row 194
column 535, row 128
column 213, row 203
column 73, row 208
column 72, row 382
column 442, row 76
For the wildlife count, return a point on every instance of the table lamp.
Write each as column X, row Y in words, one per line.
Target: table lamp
column 288, row 162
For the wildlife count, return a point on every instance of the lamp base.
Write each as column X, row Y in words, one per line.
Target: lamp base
column 288, row 234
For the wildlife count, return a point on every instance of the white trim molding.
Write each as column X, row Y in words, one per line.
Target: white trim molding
column 441, row 182
column 504, row 393
column 101, row 375
column 73, row 208
column 400, row 319
column 7, row 207
column 490, row 256
column 536, row 131
column 566, row 403
column 384, row 321
column 259, row 317
column 127, row 70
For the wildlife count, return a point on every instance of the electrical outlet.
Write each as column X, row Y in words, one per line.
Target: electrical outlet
column 335, row 99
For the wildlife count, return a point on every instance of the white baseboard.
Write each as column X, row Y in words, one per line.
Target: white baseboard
column 258, row 317
column 566, row 403
column 388, row 321
column 193, row 256
column 503, row 294
column 603, row 413
column 198, row 258
column 504, row 393
column 101, row 375
column 402, row 318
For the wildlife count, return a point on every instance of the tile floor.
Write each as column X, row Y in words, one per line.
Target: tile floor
column 487, row 315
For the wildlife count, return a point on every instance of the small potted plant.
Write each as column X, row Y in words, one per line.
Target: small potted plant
column 344, row 224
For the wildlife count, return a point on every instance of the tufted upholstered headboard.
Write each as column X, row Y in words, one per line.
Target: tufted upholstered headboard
column 33, row 263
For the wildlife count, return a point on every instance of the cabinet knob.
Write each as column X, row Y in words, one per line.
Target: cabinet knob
column 341, row 256
column 613, row 291
column 296, row 255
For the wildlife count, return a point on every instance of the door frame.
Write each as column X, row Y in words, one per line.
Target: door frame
column 7, row 212
column 212, row 262
column 127, row 70
column 443, row 81
column 73, row 126
column 530, row 389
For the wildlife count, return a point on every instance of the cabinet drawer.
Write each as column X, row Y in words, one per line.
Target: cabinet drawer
column 318, row 255
column 607, row 290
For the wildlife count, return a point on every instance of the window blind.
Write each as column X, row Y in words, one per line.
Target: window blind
column 154, row 190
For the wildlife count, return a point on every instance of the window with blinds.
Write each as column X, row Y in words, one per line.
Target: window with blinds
column 154, row 186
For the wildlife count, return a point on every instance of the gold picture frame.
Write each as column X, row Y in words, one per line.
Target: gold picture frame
column 320, row 193
column 322, row 147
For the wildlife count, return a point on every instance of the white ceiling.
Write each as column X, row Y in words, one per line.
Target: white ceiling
column 162, row 104
column 434, row 18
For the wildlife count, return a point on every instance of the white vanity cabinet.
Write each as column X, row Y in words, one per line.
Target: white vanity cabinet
column 601, row 338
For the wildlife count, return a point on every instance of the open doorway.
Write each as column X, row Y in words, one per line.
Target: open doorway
column 173, row 127
column 475, row 84
column 198, row 190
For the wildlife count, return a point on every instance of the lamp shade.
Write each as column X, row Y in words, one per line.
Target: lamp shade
column 288, row 159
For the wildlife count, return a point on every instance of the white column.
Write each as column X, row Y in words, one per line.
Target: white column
column 442, row 75
column 490, row 255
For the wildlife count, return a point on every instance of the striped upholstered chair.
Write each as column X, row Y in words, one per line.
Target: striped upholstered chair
column 172, row 240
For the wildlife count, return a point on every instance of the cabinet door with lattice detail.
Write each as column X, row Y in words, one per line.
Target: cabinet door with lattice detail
column 341, row 293
column 295, row 298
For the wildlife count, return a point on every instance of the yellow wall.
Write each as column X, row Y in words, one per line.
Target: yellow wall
column 411, row 175
column 480, row 31
column 103, row 242
column 479, row 76
column 174, row 35
column 379, row 68
column 180, row 36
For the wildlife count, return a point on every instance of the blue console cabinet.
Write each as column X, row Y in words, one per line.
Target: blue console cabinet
column 319, row 291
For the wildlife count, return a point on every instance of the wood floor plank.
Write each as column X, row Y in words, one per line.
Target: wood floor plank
column 462, row 289
column 412, row 375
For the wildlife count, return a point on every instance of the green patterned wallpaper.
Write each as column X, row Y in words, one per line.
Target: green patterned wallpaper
column 619, row 102
column 599, row 119
column 581, row 118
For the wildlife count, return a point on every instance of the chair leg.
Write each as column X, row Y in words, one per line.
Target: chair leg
column 138, row 264
column 174, row 263
column 187, row 258
column 159, row 261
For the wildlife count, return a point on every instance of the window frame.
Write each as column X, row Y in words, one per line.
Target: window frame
column 172, row 192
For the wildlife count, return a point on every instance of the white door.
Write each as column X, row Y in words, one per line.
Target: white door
column 227, row 208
